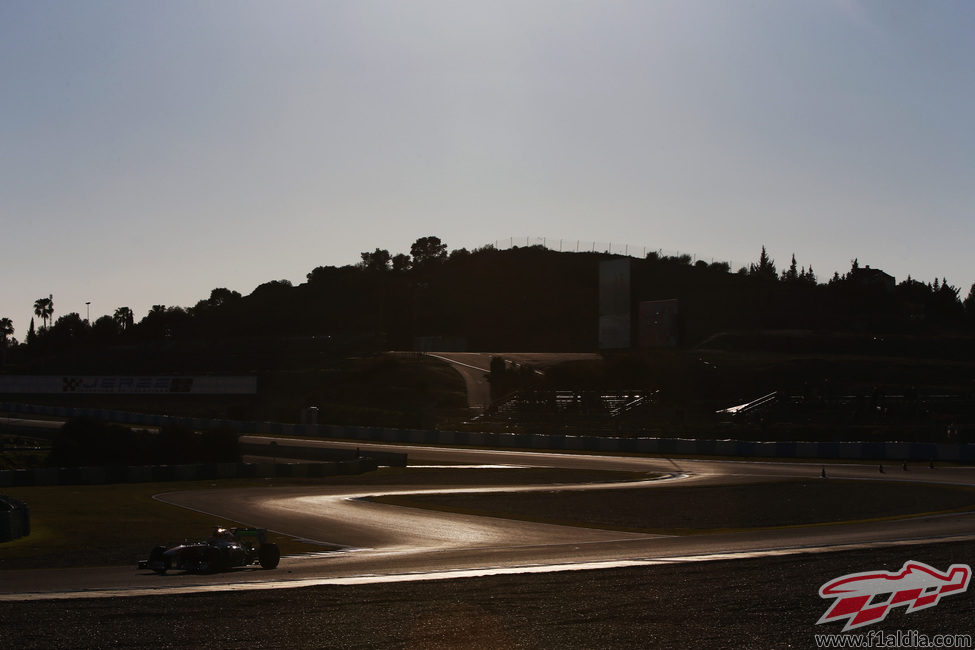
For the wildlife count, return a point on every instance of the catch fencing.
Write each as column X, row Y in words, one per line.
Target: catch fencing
column 564, row 245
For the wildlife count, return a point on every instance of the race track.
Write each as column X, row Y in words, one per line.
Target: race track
column 388, row 543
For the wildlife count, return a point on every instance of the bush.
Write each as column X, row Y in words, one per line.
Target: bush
column 177, row 444
column 90, row 441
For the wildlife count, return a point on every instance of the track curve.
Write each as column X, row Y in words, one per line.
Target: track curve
column 391, row 543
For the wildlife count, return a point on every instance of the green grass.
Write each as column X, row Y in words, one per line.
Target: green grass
column 92, row 525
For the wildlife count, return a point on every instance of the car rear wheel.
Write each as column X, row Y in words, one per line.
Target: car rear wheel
column 158, row 561
column 269, row 555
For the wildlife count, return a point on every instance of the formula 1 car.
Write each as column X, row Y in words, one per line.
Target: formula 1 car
column 225, row 549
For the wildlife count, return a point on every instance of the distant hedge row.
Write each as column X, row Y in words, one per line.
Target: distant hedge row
column 85, row 441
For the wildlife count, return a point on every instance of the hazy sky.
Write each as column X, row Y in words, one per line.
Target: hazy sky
column 151, row 151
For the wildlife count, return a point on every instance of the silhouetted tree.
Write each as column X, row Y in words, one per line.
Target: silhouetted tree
column 164, row 322
column 765, row 267
column 279, row 297
column 44, row 308
column 6, row 330
column 222, row 296
column 274, row 286
column 104, row 329
column 428, row 250
column 324, row 274
column 378, row 260
column 123, row 318
column 792, row 274
column 969, row 304
column 401, row 262
column 945, row 301
column 808, row 276
column 69, row 327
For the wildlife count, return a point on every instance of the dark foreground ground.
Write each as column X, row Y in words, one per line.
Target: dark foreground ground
column 765, row 603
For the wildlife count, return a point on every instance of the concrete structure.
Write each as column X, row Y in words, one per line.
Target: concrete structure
column 615, row 300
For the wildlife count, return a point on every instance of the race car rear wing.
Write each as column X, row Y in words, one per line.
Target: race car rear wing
column 248, row 534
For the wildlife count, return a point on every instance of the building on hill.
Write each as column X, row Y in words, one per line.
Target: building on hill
column 627, row 322
column 868, row 277
column 615, row 304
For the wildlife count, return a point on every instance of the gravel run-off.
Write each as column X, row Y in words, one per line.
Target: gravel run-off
column 756, row 603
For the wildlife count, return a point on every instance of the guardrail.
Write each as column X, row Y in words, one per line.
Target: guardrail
column 14, row 519
column 305, row 452
column 890, row 451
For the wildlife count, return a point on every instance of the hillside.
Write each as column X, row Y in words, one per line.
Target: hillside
column 518, row 299
column 741, row 335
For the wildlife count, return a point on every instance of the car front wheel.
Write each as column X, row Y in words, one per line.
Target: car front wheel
column 269, row 555
column 158, row 561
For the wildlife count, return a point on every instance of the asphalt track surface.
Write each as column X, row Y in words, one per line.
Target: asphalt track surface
column 386, row 544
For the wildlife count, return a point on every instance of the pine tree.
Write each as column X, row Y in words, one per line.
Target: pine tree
column 765, row 267
column 969, row 304
column 810, row 277
column 792, row 275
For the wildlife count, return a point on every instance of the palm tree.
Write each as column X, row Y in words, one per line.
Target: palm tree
column 6, row 329
column 44, row 307
column 123, row 318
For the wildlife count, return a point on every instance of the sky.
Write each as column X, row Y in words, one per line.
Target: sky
column 152, row 151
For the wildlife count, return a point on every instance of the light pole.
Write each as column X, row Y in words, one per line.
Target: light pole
column 88, row 312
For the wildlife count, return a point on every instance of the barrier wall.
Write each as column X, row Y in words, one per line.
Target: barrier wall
column 300, row 452
column 880, row 451
column 163, row 473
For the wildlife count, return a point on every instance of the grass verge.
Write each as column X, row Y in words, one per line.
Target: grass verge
column 100, row 525
column 94, row 525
